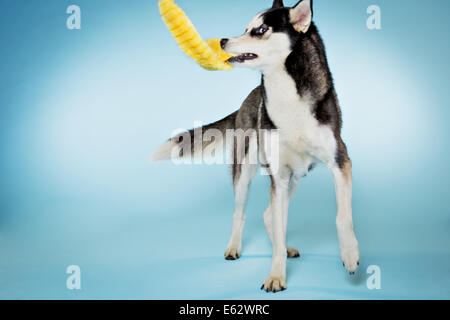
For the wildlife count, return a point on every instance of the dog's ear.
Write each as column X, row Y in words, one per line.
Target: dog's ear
column 301, row 15
column 277, row 4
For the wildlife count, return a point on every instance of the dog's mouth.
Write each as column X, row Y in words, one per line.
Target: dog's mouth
column 242, row 58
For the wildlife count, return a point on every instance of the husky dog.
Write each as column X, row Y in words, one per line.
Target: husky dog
column 297, row 98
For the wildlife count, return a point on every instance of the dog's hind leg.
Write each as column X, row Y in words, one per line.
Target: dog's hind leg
column 344, row 221
column 245, row 164
column 280, row 203
column 293, row 186
column 243, row 175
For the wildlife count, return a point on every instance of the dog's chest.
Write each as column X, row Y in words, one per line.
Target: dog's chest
column 300, row 132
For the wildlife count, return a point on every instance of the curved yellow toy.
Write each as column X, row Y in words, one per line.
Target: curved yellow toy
column 207, row 54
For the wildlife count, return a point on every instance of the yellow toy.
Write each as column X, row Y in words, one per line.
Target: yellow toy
column 208, row 54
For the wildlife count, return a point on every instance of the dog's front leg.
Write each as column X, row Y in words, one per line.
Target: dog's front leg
column 280, row 201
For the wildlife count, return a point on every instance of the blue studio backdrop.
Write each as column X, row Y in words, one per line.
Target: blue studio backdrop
column 82, row 110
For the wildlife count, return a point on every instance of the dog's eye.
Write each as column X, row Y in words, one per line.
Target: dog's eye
column 261, row 30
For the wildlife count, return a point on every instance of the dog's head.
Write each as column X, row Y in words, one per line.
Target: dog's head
column 270, row 36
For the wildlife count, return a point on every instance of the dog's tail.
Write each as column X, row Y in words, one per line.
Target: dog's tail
column 175, row 147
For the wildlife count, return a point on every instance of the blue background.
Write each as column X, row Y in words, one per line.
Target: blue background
column 81, row 111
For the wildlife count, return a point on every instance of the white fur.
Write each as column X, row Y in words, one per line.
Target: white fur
column 241, row 187
column 256, row 22
column 271, row 49
column 293, row 185
column 165, row 152
column 303, row 141
column 344, row 221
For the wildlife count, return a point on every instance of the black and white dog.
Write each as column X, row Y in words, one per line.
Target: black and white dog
column 297, row 98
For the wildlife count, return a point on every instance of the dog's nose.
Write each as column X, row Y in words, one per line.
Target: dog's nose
column 223, row 43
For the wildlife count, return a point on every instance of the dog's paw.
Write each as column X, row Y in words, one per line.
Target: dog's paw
column 232, row 254
column 293, row 253
column 350, row 258
column 274, row 284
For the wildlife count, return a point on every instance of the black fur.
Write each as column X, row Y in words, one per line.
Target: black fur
column 278, row 4
column 247, row 118
column 266, row 122
column 222, row 125
column 308, row 66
